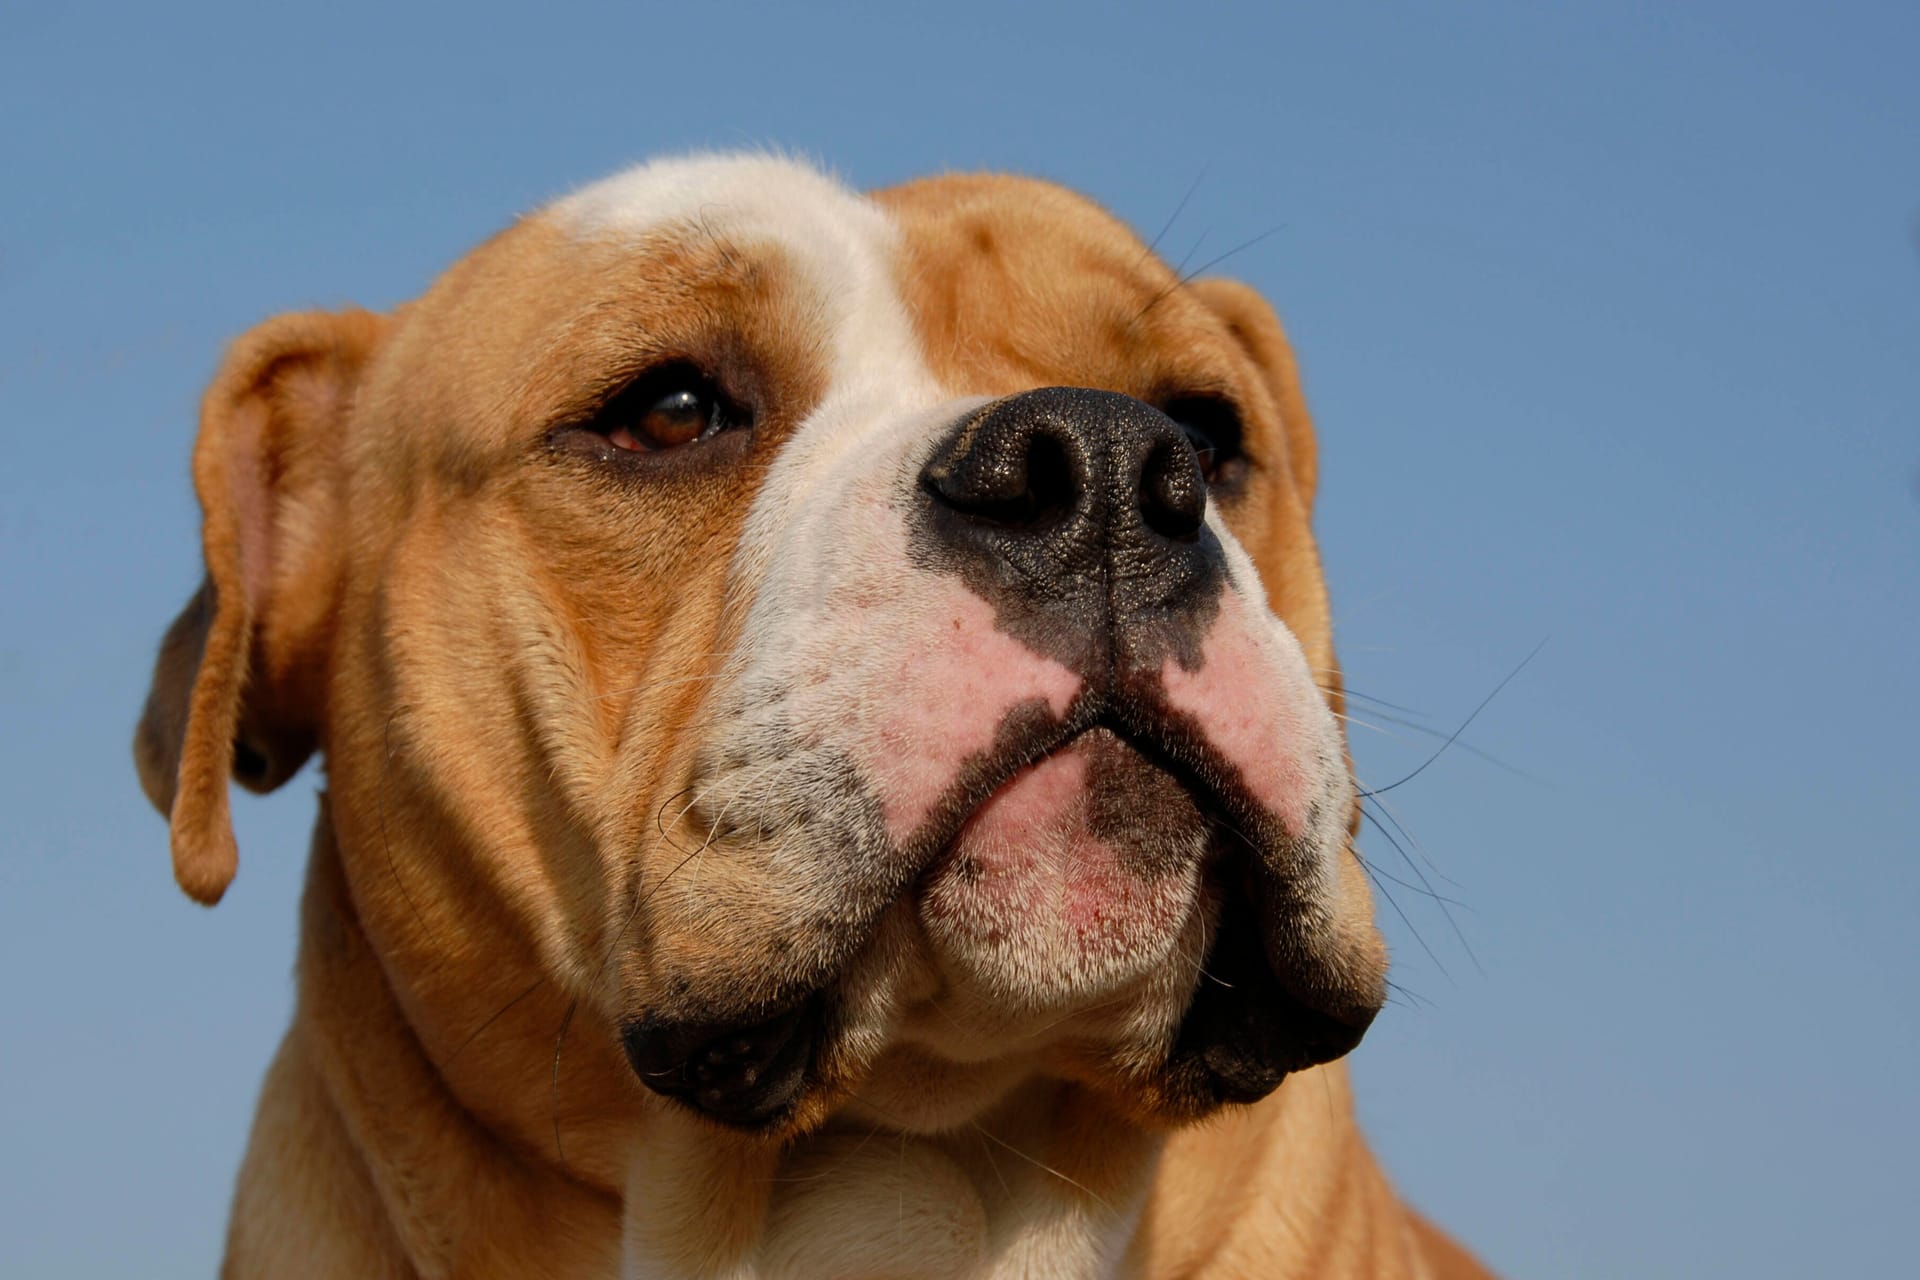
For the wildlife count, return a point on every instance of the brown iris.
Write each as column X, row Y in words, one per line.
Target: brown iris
column 673, row 416
column 673, row 409
column 1214, row 430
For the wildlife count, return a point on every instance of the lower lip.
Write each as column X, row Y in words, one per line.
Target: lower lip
column 1028, row 895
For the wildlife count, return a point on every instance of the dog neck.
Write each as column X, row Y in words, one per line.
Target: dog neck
column 487, row 1160
column 462, row 1193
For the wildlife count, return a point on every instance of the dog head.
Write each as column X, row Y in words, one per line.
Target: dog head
column 868, row 650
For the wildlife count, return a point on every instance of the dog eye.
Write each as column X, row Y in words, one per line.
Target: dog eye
column 666, row 409
column 1213, row 428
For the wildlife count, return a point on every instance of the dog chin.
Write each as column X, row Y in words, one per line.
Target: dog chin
column 1063, row 927
column 913, row 1089
column 1070, row 883
column 1058, row 931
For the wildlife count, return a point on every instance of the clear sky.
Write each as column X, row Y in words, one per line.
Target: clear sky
column 1610, row 314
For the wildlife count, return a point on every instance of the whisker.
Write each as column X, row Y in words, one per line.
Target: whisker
column 496, row 1016
column 1460, row 744
column 1455, row 735
column 1420, row 875
column 1183, row 278
column 1242, row 247
column 1047, row 1168
column 553, row 1093
column 1172, row 218
column 1368, row 725
column 1393, row 902
column 1386, row 811
column 1412, row 887
column 872, row 1131
column 1351, row 692
column 1178, row 268
column 994, row 1164
column 1413, row 998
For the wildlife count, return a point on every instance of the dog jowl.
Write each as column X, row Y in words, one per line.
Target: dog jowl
column 847, row 662
column 1009, row 703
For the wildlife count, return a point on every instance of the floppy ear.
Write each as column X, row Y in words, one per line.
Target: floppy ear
column 238, row 685
column 1255, row 326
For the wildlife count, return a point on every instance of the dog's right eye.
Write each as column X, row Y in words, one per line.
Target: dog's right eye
column 666, row 409
column 1214, row 429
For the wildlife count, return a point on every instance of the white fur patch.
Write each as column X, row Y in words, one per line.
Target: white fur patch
column 844, row 247
column 854, row 660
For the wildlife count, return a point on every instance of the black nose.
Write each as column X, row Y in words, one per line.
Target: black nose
column 1078, row 512
column 1029, row 463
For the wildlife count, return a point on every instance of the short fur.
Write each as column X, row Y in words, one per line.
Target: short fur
column 551, row 705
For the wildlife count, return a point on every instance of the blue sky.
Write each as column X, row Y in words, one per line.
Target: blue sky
column 1610, row 315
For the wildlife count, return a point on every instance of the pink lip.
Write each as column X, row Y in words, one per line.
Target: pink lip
column 1259, row 736
column 1027, row 880
column 952, row 689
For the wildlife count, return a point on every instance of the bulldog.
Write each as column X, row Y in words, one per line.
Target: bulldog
column 833, row 757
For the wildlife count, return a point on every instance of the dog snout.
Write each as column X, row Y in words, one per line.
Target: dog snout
column 1065, row 488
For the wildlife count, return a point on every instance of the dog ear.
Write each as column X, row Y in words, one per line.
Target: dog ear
column 238, row 685
column 1255, row 326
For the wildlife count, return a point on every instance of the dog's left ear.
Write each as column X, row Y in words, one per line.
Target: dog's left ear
column 238, row 685
column 1255, row 326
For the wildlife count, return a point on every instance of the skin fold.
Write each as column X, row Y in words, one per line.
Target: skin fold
column 832, row 758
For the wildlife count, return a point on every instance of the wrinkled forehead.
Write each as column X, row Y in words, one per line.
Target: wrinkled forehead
column 834, row 231
column 942, row 288
column 707, row 260
column 1000, row 283
column 835, row 249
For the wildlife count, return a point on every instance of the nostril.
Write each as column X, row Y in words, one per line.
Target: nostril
column 1051, row 490
column 1173, row 492
column 1019, row 478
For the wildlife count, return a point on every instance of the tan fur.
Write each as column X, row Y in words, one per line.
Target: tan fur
column 1070, row 298
column 267, row 479
column 501, row 665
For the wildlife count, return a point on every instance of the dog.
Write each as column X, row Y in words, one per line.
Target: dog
column 833, row 760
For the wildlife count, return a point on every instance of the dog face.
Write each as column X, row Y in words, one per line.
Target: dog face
column 868, row 650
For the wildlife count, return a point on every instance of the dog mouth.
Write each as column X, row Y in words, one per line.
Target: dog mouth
column 1164, row 743
column 1071, row 880
column 1061, row 867
column 746, row 1075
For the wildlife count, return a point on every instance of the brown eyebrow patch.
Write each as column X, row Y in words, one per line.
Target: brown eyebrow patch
column 537, row 327
column 737, row 311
